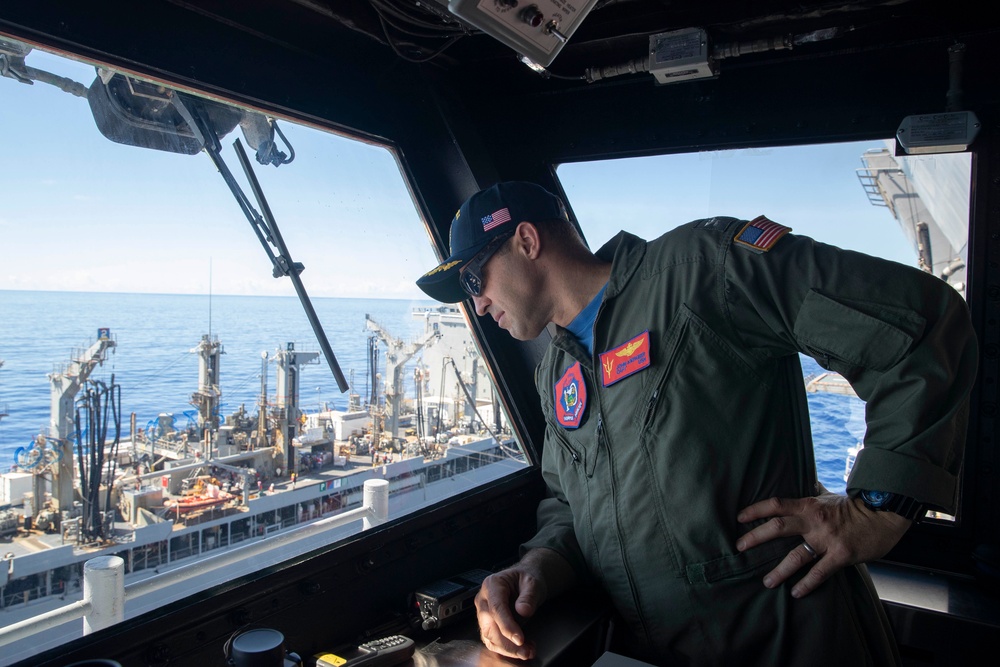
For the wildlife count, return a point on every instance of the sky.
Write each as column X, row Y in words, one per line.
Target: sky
column 81, row 213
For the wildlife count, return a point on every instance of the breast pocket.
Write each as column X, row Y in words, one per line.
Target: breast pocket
column 698, row 431
column 702, row 373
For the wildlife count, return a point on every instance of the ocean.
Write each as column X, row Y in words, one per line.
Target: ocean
column 157, row 370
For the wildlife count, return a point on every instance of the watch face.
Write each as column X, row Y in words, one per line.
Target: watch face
column 876, row 498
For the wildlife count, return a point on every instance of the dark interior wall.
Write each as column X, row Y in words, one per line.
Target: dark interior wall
column 450, row 142
column 764, row 100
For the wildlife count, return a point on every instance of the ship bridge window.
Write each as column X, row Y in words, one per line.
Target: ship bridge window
column 858, row 196
column 135, row 283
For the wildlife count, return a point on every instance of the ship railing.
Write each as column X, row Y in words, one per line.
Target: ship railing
column 105, row 593
column 80, row 354
column 868, row 177
column 175, row 446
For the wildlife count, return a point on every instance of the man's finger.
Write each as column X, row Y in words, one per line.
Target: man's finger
column 498, row 626
column 496, row 642
column 495, row 639
column 769, row 508
column 493, row 607
column 780, row 526
column 816, row 575
column 796, row 559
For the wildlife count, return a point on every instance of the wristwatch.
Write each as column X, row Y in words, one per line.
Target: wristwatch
column 887, row 501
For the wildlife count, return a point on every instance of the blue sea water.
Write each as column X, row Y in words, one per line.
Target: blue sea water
column 153, row 361
column 838, row 423
column 157, row 370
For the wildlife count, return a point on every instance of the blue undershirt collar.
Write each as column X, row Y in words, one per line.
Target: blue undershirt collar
column 582, row 326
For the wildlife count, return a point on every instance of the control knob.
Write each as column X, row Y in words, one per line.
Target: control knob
column 532, row 15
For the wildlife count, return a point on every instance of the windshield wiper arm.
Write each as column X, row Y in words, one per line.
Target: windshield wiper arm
column 284, row 266
column 264, row 227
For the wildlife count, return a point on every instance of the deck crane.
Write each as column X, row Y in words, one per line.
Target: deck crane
column 396, row 356
column 64, row 385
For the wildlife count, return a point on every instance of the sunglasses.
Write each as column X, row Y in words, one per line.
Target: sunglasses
column 471, row 276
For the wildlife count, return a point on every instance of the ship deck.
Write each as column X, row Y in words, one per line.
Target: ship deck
column 35, row 541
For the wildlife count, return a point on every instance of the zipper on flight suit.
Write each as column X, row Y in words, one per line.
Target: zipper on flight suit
column 599, row 434
column 569, row 450
column 597, row 448
column 665, row 374
column 621, row 539
column 649, row 409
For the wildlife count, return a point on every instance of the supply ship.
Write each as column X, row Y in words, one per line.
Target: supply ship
column 162, row 497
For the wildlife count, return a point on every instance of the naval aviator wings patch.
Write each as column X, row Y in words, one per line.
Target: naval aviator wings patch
column 760, row 234
column 630, row 357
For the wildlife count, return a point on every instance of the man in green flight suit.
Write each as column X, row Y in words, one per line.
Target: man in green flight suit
column 677, row 448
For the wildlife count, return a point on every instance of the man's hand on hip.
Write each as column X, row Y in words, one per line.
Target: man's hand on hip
column 837, row 531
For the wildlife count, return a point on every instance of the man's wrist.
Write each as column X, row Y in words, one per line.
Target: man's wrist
column 888, row 501
column 551, row 568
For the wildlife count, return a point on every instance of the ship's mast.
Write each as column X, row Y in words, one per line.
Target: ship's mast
column 64, row 386
column 262, row 404
column 288, row 362
column 206, row 399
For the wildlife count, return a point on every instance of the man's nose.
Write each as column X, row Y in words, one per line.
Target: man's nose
column 481, row 303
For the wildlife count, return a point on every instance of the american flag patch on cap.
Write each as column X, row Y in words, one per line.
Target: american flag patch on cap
column 495, row 219
column 761, row 234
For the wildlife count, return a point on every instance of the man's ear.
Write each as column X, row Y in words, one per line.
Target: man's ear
column 527, row 240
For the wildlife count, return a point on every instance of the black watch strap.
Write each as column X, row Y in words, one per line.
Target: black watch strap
column 887, row 501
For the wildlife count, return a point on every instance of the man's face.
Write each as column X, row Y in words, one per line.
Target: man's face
column 509, row 295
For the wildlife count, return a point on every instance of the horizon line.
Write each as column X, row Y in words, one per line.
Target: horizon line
column 211, row 296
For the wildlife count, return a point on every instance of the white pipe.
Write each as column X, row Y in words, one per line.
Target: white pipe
column 104, row 590
column 233, row 458
column 376, row 497
column 50, row 619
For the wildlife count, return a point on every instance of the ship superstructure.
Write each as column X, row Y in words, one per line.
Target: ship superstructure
column 928, row 195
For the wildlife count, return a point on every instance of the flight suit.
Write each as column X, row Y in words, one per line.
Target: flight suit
column 692, row 406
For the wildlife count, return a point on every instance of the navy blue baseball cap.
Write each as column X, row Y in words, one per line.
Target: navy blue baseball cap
column 483, row 217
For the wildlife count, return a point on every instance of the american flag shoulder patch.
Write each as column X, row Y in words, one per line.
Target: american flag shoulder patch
column 761, row 234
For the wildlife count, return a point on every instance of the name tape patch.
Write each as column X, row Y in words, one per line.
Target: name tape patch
column 628, row 358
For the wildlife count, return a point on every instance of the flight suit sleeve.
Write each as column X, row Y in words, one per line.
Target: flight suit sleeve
column 902, row 337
